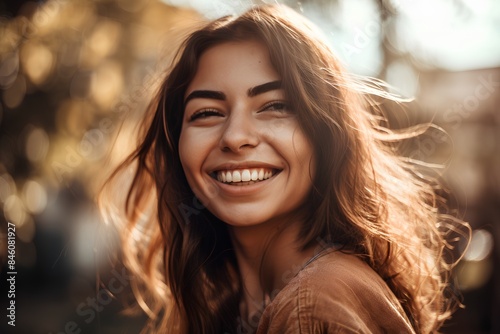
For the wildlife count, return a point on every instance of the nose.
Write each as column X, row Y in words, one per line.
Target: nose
column 239, row 132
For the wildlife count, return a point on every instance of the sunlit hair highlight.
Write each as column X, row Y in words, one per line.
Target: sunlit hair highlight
column 365, row 197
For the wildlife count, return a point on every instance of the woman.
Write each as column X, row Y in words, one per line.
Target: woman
column 267, row 198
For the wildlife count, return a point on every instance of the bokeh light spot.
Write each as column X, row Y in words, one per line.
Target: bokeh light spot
column 107, row 84
column 9, row 68
column 105, row 38
column 37, row 145
column 480, row 246
column 37, row 61
column 35, row 197
column 14, row 95
column 7, row 187
column 14, row 210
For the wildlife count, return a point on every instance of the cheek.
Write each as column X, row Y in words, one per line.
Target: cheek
column 306, row 153
column 301, row 143
column 303, row 159
column 300, row 149
column 187, row 155
column 192, row 153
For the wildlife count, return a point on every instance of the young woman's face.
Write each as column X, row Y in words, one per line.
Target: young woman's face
column 243, row 152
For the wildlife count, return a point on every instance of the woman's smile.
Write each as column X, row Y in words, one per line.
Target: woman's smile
column 244, row 176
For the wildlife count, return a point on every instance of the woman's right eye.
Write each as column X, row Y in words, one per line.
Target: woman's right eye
column 204, row 114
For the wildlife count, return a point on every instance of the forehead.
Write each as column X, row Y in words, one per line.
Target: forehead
column 233, row 65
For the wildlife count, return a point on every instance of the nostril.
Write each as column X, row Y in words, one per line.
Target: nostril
column 246, row 145
column 237, row 146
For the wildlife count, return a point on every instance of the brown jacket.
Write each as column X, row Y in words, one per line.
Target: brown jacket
column 336, row 293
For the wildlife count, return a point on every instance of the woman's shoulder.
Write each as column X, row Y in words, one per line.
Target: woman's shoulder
column 335, row 292
column 341, row 276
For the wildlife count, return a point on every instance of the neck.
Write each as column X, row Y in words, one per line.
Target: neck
column 268, row 257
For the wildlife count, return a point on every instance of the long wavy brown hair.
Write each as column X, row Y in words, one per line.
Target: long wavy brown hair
column 364, row 196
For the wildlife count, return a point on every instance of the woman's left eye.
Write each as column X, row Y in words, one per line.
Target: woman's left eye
column 202, row 114
column 276, row 106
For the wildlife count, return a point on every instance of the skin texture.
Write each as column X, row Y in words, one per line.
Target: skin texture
column 238, row 129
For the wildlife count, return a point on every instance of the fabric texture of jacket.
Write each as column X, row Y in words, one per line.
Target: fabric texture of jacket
column 335, row 293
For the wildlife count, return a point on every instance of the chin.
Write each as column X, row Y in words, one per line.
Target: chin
column 240, row 219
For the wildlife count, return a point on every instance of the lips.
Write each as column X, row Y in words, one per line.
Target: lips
column 244, row 175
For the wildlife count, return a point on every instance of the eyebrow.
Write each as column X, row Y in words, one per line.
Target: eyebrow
column 260, row 89
column 205, row 94
column 217, row 95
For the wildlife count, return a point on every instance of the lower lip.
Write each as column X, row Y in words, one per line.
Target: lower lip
column 243, row 190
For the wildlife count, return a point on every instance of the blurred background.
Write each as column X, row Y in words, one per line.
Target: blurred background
column 76, row 75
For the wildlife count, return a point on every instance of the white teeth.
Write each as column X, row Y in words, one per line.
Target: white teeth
column 244, row 175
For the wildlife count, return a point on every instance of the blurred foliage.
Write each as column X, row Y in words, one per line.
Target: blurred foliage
column 71, row 73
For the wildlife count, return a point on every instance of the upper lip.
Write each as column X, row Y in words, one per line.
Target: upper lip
column 243, row 165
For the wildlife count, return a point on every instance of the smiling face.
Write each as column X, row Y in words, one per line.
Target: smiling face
column 242, row 150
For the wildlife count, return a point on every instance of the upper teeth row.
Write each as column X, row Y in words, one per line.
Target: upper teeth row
column 244, row 175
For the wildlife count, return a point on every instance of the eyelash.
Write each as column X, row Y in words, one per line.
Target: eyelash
column 213, row 112
column 282, row 104
column 204, row 113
